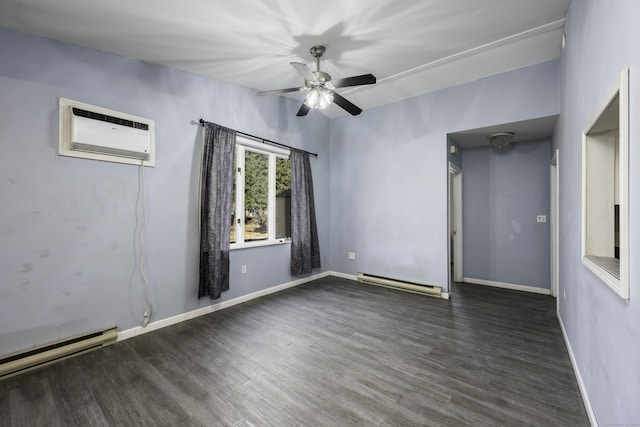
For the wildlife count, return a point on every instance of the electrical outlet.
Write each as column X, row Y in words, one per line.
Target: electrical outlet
column 147, row 317
column 541, row 218
column 351, row 256
column 244, row 269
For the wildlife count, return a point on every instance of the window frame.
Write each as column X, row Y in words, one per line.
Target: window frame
column 611, row 142
column 243, row 145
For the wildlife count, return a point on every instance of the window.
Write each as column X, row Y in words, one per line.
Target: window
column 261, row 199
column 605, row 195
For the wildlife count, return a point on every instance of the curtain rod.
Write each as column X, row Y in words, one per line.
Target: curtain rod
column 264, row 141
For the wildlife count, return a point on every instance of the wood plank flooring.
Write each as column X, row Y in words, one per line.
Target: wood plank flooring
column 332, row 352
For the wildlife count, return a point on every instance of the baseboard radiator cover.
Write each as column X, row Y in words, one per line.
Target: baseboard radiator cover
column 37, row 357
column 434, row 291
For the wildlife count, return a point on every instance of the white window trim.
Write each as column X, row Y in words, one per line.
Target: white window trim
column 257, row 147
column 620, row 88
column 257, row 244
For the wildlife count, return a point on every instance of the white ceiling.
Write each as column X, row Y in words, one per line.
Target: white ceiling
column 411, row 46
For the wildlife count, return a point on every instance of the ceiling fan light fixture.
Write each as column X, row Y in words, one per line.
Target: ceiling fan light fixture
column 321, row 87
column 319, row 98
column 500, row 139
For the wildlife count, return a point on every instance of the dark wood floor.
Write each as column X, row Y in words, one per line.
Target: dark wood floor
column 329, row 353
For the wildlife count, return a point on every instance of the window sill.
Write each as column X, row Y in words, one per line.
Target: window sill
column 607, row 269
column 261, row 243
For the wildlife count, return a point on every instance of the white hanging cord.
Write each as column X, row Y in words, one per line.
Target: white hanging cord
column 147, row 313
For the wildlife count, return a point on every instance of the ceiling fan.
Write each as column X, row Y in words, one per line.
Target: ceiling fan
column 321, row 87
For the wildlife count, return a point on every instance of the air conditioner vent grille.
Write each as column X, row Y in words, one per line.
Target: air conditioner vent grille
column 111, row 151
column 109, row 119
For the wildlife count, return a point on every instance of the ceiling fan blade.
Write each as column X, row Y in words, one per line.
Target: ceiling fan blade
column 304, row 109
column 304, row 70
column 365, row 79
column 346, row 105
column 278, row 91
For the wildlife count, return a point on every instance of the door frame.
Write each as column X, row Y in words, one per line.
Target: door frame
column 455, row 210
column 555, row 217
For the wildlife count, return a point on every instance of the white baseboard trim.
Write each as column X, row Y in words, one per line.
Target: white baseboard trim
column 162, row 323
column 503, row 285
column 344, row 276
column 576, row 370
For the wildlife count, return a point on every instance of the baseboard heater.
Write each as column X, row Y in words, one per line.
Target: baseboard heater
column 417, row 288
column 36, row 357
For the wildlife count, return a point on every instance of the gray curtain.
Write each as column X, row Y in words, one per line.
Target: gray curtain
column 305, row 250
column 215, row 209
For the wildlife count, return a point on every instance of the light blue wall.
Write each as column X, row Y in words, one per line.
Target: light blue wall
column 503, row 192
column 603, row 330
column 389, row 171
column 67, row 225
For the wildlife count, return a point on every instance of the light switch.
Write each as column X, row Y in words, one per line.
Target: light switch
column 542, row 218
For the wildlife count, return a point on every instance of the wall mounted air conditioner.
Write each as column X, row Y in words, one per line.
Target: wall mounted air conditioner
column 93, row 132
